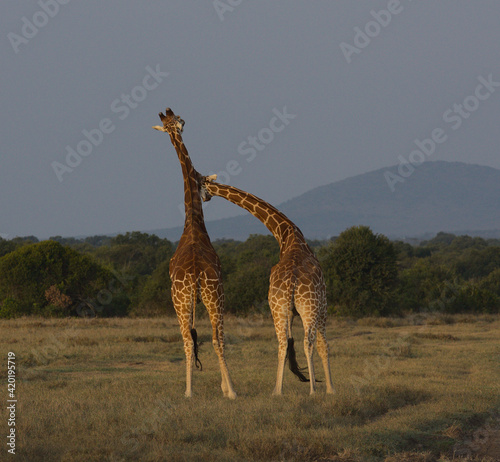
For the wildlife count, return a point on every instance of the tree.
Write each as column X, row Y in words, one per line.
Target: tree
column 6, row 247
column 422, row 286
column 476, row 263
column 473, row 298
column 48, row 278
column 361, row 271
column 135, row 253
column 246, row 267
column 155, row 298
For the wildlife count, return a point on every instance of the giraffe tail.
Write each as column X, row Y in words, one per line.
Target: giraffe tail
column 290, row 350
column 194, row 336
column 292, row 361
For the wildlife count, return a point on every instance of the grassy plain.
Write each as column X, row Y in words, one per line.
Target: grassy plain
column 407, row 390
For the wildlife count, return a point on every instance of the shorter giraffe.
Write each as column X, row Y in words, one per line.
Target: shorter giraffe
column 296, row 284
column 195, row 267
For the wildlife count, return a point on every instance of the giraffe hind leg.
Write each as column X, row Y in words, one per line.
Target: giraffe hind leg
column 309, row 338
column 282, row 308
column 213, row 298
column 189, row 348
column 308, row 313
column 281, row 333
column 323, row 351
column 226, row 383
column 184, row 306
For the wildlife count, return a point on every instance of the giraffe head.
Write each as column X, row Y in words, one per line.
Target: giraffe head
column 205, row 195
column 171, row 122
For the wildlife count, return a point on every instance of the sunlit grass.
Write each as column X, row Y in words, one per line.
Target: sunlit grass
column 113, row 389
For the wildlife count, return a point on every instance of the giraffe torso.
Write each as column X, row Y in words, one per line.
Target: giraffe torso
column 297, row 281
column 193, row 261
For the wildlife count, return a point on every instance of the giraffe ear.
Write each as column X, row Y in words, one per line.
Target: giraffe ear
column 211, row 178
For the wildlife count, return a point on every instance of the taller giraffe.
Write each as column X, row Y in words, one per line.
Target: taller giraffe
column 296, row 283
column 195, row 268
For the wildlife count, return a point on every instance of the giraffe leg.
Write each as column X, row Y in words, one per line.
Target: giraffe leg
column 282, row 348
column 309, row 338
column 323, row 351
column 212, row 295
column 184, row 306
column 306, row 304
column 218, row 343
column 185, row 325
column 281, row 327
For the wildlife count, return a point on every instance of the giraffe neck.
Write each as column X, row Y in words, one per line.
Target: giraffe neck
column 192, row 200
column 283, row 229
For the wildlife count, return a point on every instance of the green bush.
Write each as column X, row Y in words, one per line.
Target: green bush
column 471, row 298
column 10, row 308
column 49, row 279
column 478, row 263
column 246, row 267
column 366, row 275
column 423, row 285
column 155, row 298
column 360, row 269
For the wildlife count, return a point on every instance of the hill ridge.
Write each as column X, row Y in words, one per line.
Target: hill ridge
column 437, row 196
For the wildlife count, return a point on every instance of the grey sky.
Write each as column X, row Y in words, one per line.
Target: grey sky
column 229, row 74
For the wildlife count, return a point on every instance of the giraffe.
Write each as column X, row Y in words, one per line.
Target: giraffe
column 195, row 268
column 296, row 284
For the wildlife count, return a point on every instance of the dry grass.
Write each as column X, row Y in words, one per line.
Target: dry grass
column 112, row 390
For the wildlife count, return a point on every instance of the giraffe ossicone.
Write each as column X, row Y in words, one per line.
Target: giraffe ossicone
column 170, row 122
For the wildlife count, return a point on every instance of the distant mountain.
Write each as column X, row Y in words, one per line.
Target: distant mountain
column 437, row 196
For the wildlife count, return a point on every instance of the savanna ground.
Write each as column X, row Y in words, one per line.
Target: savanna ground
column 416, row 389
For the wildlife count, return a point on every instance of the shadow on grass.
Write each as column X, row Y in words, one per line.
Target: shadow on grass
column 375, row 401
column 450, row 438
